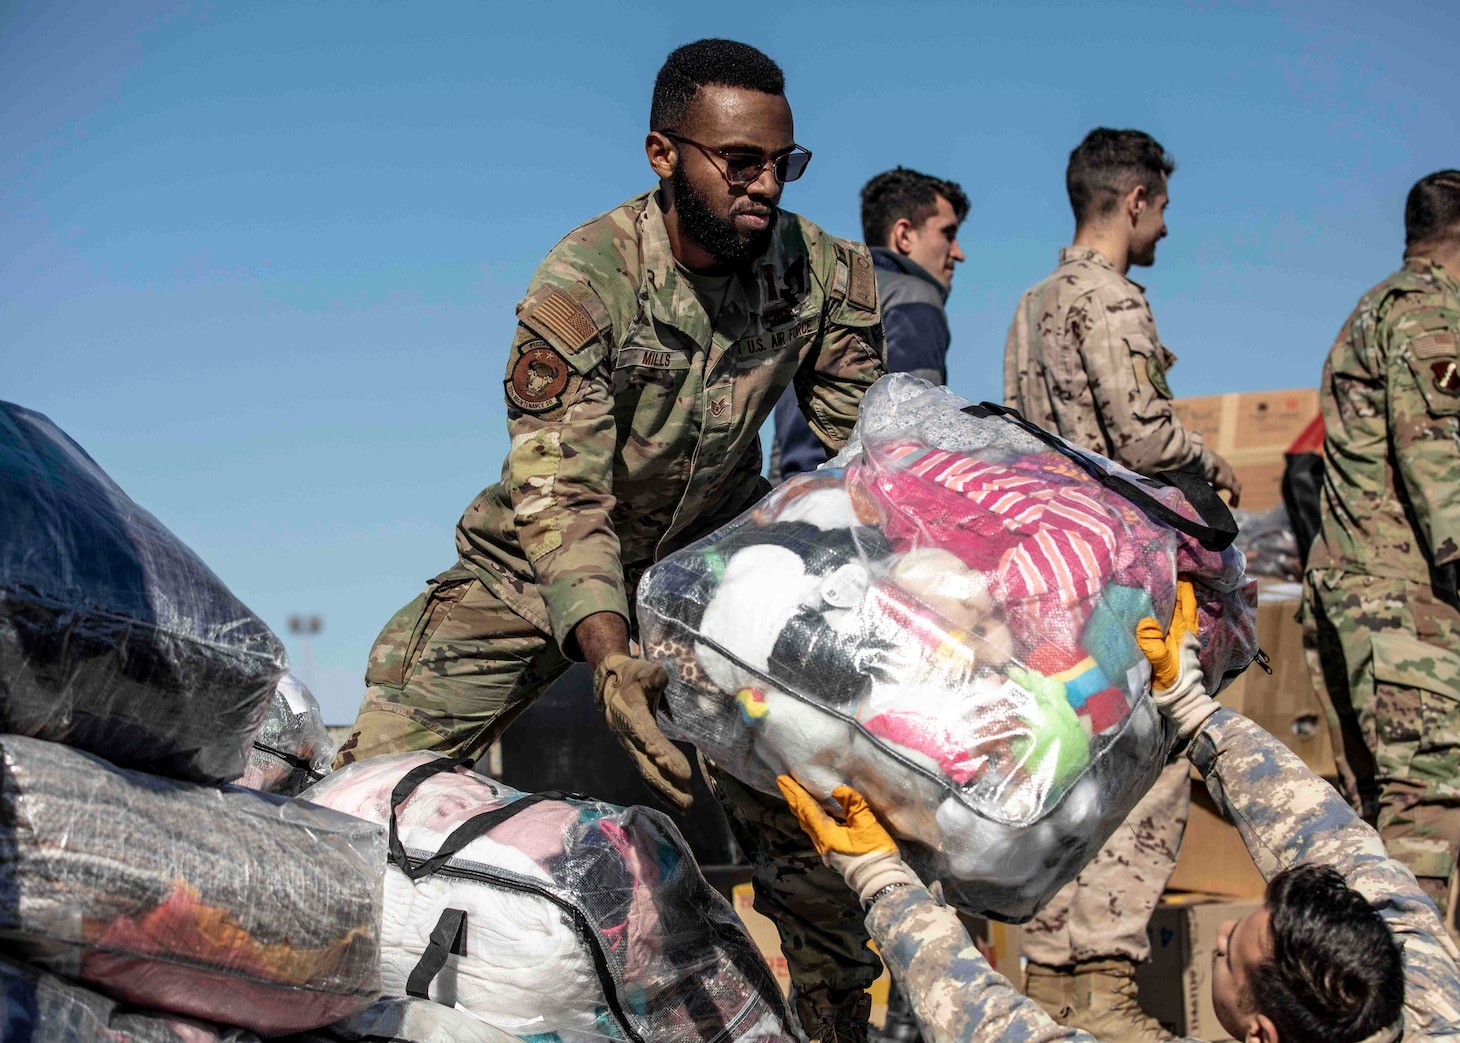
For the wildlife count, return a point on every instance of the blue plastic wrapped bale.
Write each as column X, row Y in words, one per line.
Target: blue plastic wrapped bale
column 942, row 617
column 37, row 1007
column 114, row 636
column 219, row 903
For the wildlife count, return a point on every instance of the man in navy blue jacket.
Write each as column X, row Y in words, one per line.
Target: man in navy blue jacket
column 910, row 221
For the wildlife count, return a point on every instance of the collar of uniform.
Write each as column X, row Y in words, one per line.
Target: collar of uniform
column 1071, row 254
column 1421, row 265
column 673, row 300
column 892, row 261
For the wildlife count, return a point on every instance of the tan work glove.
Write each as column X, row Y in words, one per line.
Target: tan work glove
column 1223, row 477
column 861, row 850
column 628, row 691
column 1177, row 684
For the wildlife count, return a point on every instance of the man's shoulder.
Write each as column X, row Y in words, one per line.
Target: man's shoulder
column 1077, row 278
column 603, row 251
column 843, row 267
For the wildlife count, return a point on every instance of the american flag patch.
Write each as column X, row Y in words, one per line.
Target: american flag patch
column 560, row 320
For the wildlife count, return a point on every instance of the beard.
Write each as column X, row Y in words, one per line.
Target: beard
column 716, row 235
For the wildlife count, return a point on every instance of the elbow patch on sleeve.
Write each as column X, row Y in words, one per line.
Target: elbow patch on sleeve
column 536, row 458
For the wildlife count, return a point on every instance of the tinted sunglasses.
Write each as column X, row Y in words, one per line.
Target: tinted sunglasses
column 744, row 168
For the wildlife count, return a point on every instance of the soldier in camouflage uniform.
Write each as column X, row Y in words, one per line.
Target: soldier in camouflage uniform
column 1083, row 359
column 652, row 344
column 1318, row 963
column 1381, row 576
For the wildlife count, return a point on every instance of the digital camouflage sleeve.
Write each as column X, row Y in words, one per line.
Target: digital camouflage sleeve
column 1286, row 815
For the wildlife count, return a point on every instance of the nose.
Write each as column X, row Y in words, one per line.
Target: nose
column 765, row 186
column 957, row 255
column 1224, row 934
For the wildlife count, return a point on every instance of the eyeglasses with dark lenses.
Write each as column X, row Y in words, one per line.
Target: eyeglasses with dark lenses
column 744, row 168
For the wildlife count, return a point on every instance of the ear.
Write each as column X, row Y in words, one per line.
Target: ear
column 899, row 236
column 663, row 154
column 1136, row 201
column 1262, row 1030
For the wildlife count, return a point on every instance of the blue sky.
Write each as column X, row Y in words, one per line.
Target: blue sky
column 261, row 259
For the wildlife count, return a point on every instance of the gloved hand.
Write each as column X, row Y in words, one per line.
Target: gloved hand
column 1223, row 477
column 861, row 850
column 628, row 691
column 1177, row 684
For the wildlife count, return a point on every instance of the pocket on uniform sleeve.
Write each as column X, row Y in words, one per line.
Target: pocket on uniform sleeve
column 1434, row 356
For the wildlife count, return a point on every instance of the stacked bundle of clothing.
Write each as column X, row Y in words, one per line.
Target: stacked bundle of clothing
column 154, row 883
column 549, row 917
column 943, row 618
column 292, row 750
column 114, row 636
column 223, row 904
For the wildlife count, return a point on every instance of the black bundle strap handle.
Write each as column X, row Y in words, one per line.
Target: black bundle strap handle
column 1215, row 531
column 462, row 835
column 447, row 939
column 291, row 759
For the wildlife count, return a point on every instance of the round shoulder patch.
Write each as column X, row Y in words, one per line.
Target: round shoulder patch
column 537, row 379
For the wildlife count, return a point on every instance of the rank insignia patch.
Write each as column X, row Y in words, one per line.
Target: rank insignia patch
column 537, row 380
column 1447, row 377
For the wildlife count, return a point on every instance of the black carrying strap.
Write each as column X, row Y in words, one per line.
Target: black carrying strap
column 448, row 939
column 292, row 759
column 1217, row 528
column 462, row 835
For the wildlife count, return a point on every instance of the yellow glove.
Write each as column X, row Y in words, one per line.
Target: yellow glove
column 860, row 849
column 628, row 691
column 1178, row 687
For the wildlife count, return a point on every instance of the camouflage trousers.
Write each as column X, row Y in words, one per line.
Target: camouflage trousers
column 1103, row 912
column 452, row 669
column 1386, row 663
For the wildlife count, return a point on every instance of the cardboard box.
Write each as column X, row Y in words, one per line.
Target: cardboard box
column 1213, row 858
column 1252, row 430
column 1176, row 985
column 999, row 943
column 1284, row 702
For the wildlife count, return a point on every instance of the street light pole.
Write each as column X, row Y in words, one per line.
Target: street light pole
column 304, row 628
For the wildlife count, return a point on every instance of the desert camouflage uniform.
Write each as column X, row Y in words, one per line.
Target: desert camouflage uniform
column 1083, row 360
column 1381, row 577
column 1286, row 815
column 634, row 424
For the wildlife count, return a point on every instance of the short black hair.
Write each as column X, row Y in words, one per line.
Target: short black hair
column 1336, row 973
column 1433, row 207
column 1108, row 164
column 902, row 193
column 724, row 63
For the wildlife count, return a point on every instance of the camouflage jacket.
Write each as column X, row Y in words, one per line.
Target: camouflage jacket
column 1083, row 360
column 1391, row 407
column 1286, row 815
column 635, row 423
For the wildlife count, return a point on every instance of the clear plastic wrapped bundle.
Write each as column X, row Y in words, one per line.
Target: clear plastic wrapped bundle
column 550, row 917
column 1267, row 541
column 395, row 1020
column 292, row 750
column 114, row 636
column 943, row 617
column 37, row 1007
column 228, row 905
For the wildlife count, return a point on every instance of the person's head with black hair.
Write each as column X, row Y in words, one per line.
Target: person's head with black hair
column 722, row 141
column 1316, row 962
column 1117, row 184
column 915, row 215
column 1432, row 215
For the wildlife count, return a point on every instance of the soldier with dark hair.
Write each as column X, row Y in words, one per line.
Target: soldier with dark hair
column 1345, row 949
column 1083, row 359
column 1381, row 579
column 910, row 220
column 652, row 344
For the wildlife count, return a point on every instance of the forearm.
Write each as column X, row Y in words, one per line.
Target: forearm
column 601, row 635
column 956, row 995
